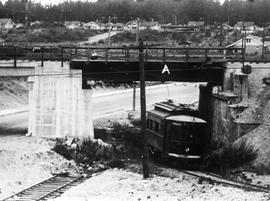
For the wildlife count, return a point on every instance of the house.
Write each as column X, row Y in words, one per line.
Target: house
column 257, row 28
column 19, row 25
column 94, row 26
column 185, row 43
column 200, row 24
column 6, row 23
column 110, row 26
column 131, row 26
column 226, row 26
column 152, row 25
column 143, row 25
column 72, row 24
column 253, row 43
column 35, row 24
column 196, row 25
column 118, row 26
column 2, row 41
column 239, row 25
column 177, row 28
column 248, row 27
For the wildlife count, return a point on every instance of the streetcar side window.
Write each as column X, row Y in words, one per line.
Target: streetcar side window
column 149, row 123
column 156, row 129
column 153, row 125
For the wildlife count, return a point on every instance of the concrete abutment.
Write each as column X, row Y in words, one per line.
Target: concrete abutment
column 58, row 106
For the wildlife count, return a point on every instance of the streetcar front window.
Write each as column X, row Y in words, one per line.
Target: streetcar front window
column 186, row 131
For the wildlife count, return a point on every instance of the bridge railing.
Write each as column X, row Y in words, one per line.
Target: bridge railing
column 164, row 54
column 126, row 54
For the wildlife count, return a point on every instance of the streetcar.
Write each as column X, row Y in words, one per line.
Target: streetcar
column 176, row 131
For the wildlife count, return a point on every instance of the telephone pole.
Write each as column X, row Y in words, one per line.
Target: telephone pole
column 143, row 112
column 138, row 31
column 134, row 84
column 263, row 41
column 26, row 15
column 221, row 35
column 109, row 41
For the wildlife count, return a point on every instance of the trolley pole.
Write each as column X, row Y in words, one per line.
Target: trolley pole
column 143, row 112
column 134, row 97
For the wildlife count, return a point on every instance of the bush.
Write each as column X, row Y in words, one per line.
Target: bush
column 61, row 148
column 89, row 151
column 136, row 122
column 230, row 156
column 129, row 136
column 86, row 151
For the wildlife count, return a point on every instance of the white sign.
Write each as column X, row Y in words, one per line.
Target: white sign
column 216, row 89
column 166, row 69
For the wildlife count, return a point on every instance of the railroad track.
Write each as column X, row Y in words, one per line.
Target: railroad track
column 213, row 178
column 48, row 189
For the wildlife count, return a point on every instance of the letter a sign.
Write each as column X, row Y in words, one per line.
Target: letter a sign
column 166, row 69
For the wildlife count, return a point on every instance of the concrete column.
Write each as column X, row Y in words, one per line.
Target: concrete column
column 205, row 101
column 58, row 106
column 206, row 107
column 241, row 87
column 30, row 81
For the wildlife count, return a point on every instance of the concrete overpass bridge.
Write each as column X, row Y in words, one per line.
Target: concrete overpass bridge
column 60, row 98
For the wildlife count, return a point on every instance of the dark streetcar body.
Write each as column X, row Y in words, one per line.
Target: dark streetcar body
column 176, row 131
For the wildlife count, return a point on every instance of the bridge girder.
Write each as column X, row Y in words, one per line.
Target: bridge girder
column 120, row 71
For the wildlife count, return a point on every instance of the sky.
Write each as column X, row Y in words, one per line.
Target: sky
column 46, row 2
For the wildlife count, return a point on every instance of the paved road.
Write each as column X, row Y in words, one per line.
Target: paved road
column 109, row 104
column 98, row 37
column 14, row 124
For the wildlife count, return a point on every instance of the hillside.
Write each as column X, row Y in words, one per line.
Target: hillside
column 258, row 112
column 13, row 92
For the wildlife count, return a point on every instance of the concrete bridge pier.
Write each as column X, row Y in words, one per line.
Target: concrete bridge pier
column 58, row 106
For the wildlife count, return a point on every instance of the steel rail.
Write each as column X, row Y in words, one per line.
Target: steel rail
column 59, row 188
column 45, row 189
column 218, row 179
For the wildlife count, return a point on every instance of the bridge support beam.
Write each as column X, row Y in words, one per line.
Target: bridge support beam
column 58, row 106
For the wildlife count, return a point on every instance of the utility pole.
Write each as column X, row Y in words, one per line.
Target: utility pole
column 221, row 35
column 134, row 97
column 134, row 84
column 109, row 41
column 138, row 31
column 243, row 43
column 26, row 15
column 263, row 41
column 143, row 112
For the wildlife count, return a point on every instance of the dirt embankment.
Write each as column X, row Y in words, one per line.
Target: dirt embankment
column 258, row 112
column 13, row 92
column 26, row 161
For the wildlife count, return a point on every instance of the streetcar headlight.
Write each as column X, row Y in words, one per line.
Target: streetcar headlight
column 187, row 149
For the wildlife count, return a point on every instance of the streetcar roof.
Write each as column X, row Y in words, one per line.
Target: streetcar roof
column 159, row 113
column 185, row 118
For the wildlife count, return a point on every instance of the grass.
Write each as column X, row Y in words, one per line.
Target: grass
column 230, row 156
column 147, row 35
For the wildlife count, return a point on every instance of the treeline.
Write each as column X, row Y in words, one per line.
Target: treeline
column 164, row 11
